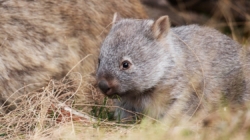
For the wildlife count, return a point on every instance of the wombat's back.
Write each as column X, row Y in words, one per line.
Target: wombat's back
column 44, row 39
column 212, row 62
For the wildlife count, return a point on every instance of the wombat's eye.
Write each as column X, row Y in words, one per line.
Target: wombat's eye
column 99, row 60
column 125, row 65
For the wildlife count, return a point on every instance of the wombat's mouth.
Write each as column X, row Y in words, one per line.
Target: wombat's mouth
column 130, row 94
column 117, row 95
column 114, row 96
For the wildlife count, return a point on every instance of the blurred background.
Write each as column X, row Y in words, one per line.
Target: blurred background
column 231, row 17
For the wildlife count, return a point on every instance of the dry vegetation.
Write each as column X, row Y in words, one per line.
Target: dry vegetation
column 73, row 109
column 55, row 112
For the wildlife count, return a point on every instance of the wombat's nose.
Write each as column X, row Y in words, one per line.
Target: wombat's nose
column 103, row 85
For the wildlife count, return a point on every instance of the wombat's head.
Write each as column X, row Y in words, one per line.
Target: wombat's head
column 133, row 56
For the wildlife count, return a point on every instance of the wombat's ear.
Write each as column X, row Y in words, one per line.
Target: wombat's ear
column 161, row 27
column 117, row 17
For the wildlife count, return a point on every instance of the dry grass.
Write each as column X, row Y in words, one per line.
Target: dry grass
column 73, row 109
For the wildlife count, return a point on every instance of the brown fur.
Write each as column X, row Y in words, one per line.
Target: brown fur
column 44, row 39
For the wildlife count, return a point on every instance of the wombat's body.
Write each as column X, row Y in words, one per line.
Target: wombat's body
column 44, row 39
column 163, row 71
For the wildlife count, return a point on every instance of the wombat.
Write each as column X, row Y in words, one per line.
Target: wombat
column 44, row 39
column 152, row 69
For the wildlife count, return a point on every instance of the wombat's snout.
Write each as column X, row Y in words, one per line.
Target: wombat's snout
column 103, row 85
column 108, row 87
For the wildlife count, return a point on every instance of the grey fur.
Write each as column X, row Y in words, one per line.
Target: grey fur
column 190, row 68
